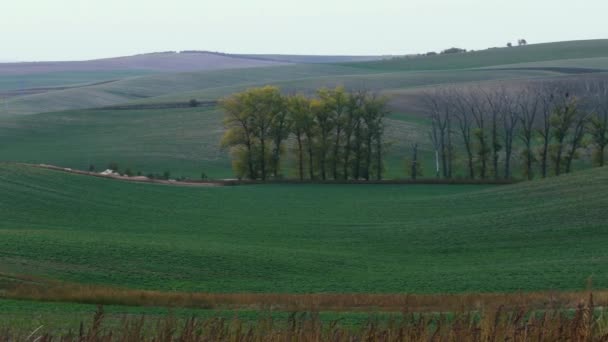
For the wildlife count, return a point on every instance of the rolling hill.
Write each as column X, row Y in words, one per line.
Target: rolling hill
column 184, row 141
column 159, row 62
column 540, row 235
column 35, row 77
column 533, row 61
column 582, row 49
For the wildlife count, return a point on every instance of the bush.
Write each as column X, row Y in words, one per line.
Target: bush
column 204, row 176
column 193, row 103
column 128, row 172
column 91, row 168
column 167, row 175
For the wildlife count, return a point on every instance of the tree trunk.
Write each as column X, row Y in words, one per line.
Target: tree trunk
column 252, row 175
column 311, row 169
column 482, row 155
column 300, row 156
column 263, row 157
column 415, row 162
column 449, row 147
column 529, row 157
column 368, row 157
column 544, row 156
column 508, row 151
column 495, row 147
column 334, row 165
column 558, row 159
column 443, row 152
column 379, row 157
column 346, row 157
column 358, row 150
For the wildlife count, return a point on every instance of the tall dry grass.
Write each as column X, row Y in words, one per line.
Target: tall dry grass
column 584, row 324
column 44, row 290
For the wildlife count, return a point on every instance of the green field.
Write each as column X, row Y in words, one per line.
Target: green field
column 64, row 79
column 540, row 235
column 496, row 56
column 185, row 142
column 57, row 318
column 380, row 76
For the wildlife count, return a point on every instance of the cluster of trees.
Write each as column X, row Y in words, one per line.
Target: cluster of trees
column 520, row 42
column 549, row 122
column 336, row 134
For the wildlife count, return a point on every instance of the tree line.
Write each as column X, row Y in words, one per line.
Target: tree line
column 549, row 122
column 337, row 134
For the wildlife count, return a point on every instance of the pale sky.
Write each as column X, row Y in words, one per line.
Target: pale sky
column 35, row 30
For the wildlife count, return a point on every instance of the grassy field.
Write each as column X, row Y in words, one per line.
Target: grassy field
column 376, row 75
column 57, row 318
column 66, row 78
column 537, row 235
column 138, row 88
column 497, row 56
column 183, row 141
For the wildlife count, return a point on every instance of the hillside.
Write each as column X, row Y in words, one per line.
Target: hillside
column 162, row 84
column 533, row 61
column 216, row 84
column 583, row 49
column 314, row 59
column 29, row 77
column 159, row 62
column 185, row 141
column 540, row 235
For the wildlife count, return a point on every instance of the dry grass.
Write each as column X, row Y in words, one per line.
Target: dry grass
column 584, row 324
column 46, row 290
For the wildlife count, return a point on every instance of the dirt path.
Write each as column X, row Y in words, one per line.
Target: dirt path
column 134, row 179
column 235, row 182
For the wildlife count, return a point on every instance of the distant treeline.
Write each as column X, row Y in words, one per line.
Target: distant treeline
column 338, row 134
column 546, row 125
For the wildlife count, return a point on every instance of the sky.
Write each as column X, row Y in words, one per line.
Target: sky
column 37, row 30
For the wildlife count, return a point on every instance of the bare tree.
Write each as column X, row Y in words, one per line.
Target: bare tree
column 351, row 127
column 439, row 105
column 496, row 101
column 465, row 125
column 546, row 96
column 598, row 122
column 477, row 108
column 510, row 120
column 434, row 136
column 529, row 104
column 563, row 117
column 414, row 161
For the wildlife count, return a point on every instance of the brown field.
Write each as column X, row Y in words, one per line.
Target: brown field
column 23, row 287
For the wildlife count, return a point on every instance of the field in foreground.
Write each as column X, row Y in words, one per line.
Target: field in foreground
column 541, row 235
column 585, row 323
